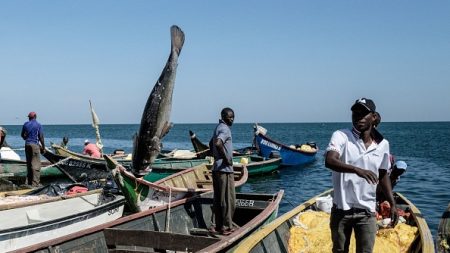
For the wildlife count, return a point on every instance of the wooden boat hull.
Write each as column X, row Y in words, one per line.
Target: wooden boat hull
column 443, row 238
column 258, row 165
column 37, row 221
column 289, row 156
column 164, row 168
column 142, row 194
column 202, row 150
column 80, row 169
column 184, row 217
column 16, row 170
column 274, row 236
column 8, row 153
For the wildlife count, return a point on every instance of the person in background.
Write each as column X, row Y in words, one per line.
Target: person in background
column 223, row 174
column 64, row 142
column 397, row 169
column 359, row 160
column 2, row 136
column 377, row 120
column 91, row 149
column 33, row 134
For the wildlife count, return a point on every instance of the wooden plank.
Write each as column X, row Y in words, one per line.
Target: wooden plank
column 156, row 240
column 128, row 251
column 204, row 182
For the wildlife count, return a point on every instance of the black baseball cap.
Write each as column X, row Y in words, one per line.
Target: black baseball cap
column 366, row 103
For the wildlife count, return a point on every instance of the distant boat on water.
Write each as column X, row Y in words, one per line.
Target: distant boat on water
column 290, row 154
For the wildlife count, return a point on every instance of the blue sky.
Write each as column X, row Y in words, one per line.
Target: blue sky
column 271, row 61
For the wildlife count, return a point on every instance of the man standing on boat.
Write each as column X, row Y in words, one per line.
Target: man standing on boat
column 223, row 176
column 33, row 135
column 359, row 160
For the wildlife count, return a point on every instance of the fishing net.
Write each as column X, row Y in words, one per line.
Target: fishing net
column 311, row 233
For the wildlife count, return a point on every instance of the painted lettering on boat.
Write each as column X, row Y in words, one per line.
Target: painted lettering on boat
column 164, row 196
column 113, row 211
column 270, row 144
column 245, row 203
column 79, row 164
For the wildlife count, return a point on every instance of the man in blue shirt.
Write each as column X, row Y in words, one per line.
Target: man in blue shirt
column 33, row 135
column 223, row 176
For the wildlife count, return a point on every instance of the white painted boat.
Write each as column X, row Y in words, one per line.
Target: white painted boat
column 34, row 220
column 8, row 153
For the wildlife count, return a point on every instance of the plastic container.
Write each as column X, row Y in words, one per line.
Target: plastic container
column 325, row 203
column 244, row 160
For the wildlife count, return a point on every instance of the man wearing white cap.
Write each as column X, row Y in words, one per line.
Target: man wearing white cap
column 398, row 169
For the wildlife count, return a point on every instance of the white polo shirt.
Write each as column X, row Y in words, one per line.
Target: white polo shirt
column 350, row 190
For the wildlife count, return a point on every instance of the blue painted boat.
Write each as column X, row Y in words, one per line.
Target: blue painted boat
column 290, row 155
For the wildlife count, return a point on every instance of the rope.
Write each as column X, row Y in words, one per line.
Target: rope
column 57, row 163
column 168, row 210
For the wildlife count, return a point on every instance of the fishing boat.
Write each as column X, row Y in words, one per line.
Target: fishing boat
column 80, row 169
column 285, row 233
column 256, row 165
column 202, row 150
column 177, row 154
column 181, row 225
column 163, row 168
column 8, row 153
column 443, row 238
column 27, row 220
column 16, row 170
column 142, row 194
column 290, row 155
column 64, row 152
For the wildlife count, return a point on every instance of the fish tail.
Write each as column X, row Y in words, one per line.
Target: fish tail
column 177, row 37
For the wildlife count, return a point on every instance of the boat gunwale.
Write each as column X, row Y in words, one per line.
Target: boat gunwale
column 85, row 232
column 249, row 243
column 287, row 147
column 241, row 231
column 98, row 210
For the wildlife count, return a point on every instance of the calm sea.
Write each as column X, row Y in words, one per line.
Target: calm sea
column 424, row 146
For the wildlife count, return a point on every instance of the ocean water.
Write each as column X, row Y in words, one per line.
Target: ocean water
column 424, row 146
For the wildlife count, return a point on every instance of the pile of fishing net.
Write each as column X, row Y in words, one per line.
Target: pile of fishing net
column 311, row 233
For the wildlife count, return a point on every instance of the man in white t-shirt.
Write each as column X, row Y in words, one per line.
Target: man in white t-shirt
column 359, row 160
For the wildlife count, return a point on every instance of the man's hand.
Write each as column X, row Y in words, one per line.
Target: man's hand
column 368, row 175
column 394, row 216
column 42, row 149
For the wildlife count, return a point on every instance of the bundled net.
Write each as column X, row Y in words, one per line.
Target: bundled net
column 311, row 233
